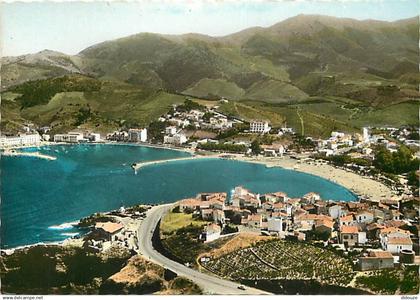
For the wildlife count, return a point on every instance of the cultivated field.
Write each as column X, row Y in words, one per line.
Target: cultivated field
column 278, row 259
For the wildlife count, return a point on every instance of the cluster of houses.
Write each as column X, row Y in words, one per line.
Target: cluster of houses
column 388, row 226
column 120, row 230
column 364, row 142
column 208, row 118
column 181, row 121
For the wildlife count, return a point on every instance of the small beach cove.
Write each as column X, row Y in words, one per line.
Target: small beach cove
column 39, row 196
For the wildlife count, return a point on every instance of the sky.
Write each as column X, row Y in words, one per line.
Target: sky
column 70, row 27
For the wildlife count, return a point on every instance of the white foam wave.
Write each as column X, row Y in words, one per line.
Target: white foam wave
column 69, row 234
column 63, row 226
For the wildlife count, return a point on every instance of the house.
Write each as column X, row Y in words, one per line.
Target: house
column 395, row 215
column 189, row 204
column 392, row 232
column 311, row 197
column 259, row 127
column 94, row 137
column 275, row 224
column 207, row 214
column 349, row 235
column 254, row 221
column 347, row 220
column 373, row 229
column 137, row 135
column 212, row 232
column 336, row 211
column 324, row 226
column 376, row 260
column 396, row 244
column 307, row 221
column 273, row 150
column 170, row 130
column 108, row 230
column 218, row 216
column 244, row 198
column 364, row 216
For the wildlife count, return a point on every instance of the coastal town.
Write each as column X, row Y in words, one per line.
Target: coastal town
column 379, row 232
column 203, row 131
column 210, row 148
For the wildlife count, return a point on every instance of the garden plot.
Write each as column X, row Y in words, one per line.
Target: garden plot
column 279, row 259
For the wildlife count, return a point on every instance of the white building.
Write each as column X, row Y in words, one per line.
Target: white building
column 259, row 127
column 21, row 140
column 94, row 137
column 364, row 217
column 365, row 133
column 71, row 137
column 212, row 232
column 396, row 244
column 176, row 139
column 171, row 130
column 336, row 211
column 137, row 135
column 275, row 224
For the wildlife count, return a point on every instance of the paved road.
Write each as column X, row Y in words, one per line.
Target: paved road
column 210, row 284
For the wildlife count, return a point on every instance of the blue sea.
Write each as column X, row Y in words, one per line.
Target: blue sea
column 41, row 198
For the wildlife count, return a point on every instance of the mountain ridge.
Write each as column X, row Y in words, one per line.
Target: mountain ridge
column 371, row 63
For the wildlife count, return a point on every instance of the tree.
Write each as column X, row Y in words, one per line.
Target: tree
column 255, row 147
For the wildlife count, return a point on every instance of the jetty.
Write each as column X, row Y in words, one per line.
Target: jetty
column 139, row 165
column 28, row 154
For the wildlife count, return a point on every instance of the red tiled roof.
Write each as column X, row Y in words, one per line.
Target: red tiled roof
column 400, row 241
column 313, row 217
column 326, row 223
column 190, row 202
column 389, row 230
column 347, row 218
column 380, row 254
column 349, row 229
column 109, row 227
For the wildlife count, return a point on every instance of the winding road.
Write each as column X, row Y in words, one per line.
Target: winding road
column 209, row 284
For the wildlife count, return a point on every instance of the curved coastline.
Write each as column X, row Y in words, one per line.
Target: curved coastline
column 357, row 184
column 332, row 174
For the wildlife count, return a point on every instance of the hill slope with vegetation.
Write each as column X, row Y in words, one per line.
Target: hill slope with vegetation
column 362, row 69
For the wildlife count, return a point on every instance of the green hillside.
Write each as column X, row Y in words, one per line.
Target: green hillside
column 359, row 72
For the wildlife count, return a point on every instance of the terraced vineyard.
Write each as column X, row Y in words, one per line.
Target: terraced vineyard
column 280, row 259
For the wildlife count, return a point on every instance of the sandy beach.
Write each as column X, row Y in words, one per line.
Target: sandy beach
column 358, row 184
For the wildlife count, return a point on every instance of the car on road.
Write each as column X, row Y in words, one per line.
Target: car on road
column 241, row 287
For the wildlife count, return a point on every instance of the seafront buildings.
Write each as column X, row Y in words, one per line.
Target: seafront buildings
column 137, row 135
column 71, row 137
column 31, row 139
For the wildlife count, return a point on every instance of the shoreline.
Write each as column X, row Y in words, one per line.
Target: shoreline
column 355, row 183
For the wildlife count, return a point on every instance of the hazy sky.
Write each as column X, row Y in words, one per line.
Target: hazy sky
column 72, row 26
